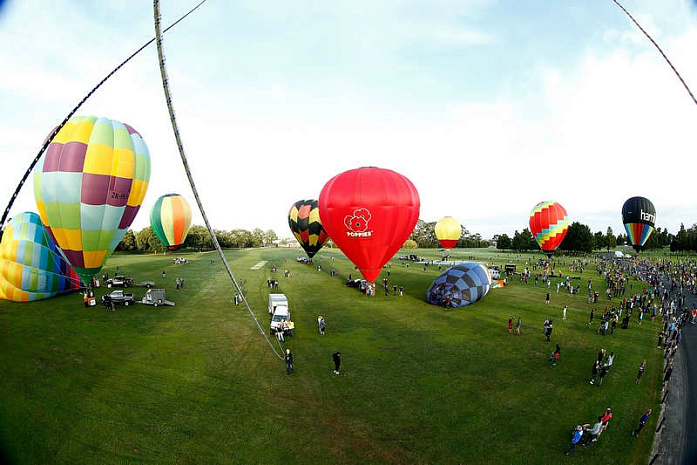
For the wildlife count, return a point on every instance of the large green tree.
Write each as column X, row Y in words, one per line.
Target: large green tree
column 579, row 238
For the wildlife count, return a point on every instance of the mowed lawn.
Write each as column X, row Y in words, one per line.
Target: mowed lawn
column 199, row 383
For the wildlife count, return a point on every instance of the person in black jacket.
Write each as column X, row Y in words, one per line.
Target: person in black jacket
column 336, row 356
column 289, row 362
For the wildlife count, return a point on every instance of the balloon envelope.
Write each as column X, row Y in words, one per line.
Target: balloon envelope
column 88, row 186
column 639, row 219
column 448, row 232
column 548, row 225
column 460, row 285
column 369, row 213
column 170, row 219
column 31, row 267
column 306, row 225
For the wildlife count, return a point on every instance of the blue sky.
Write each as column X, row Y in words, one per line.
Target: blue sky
column 487, row 106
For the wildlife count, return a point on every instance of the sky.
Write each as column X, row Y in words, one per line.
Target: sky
column 487, row 106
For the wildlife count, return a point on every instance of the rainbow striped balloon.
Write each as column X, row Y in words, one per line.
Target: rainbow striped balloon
column 548, row 225
column 89, row 186
column 31, row 266
column 170, row 219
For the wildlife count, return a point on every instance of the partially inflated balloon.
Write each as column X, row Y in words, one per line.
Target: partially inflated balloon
column 88, row 186
column 31, row 267
column 369, row 213
column 448, row 232
column 170, row 219
column 305, row 223
column 459, row 285
column 548, row 225
column 639, row 218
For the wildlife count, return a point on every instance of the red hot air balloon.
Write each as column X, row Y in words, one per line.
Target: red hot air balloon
column 548, row 225
column 369, row 213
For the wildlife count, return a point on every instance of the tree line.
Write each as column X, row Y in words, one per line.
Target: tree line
column 579, row 238
column 198, row 239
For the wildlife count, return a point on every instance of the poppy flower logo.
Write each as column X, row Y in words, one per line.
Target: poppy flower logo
column 357, row 223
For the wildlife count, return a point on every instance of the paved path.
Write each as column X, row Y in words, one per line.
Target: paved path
column 676, row 442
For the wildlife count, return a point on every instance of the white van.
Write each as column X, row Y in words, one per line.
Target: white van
column 276, row 300
column 280, row 315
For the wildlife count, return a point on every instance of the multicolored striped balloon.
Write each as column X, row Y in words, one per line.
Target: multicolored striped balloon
column 31, row 266
column 639, row 218
column 306, row 226
column 170, row 219
column 89, row 186
column 548, row 225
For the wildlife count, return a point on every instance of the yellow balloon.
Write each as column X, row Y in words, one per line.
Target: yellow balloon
column 448, row 232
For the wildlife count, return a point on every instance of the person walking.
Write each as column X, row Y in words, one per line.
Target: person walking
column 594, row 372
column 554, row 356
column 321, row 324
column 592, row 434
column 548, row 330
column 603, row 371
column 288, row 357
column 575, row 439
column 642, row 422
column 336, row 357
column 642, row 368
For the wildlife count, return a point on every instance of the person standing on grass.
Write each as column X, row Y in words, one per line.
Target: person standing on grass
column 642, row 368
column 336, row 357
column 593, row 433
column 590, row 322
column 554, row 356
column 518, row 325
column 642, row 422
column 669, row 371
column 575, row 439
column 548, row 330
column 610, row 360
column 603, row 371
column 288, row 357
column 510, row 324
column 607, row 416
column 547, row 299
column 564, row 312
column 594, row 372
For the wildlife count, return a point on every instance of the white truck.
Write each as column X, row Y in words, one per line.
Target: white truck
column 276, row 300
column 280, row 316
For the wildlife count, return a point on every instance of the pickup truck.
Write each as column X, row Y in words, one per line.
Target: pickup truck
column 117, row 298
column 119, row 281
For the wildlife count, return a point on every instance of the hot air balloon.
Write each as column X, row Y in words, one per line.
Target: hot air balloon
column 448, row 232
column 639, row 218
column 548, row 225
column 31, row 267
column 459, row 285
column 369, row 213
column 88, row 187
column 170, row 219
column 304, row 222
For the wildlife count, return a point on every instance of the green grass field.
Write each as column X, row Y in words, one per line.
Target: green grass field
column 197, row 383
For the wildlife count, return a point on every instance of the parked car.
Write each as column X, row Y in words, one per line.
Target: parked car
column 119, row 281
column 118, row 297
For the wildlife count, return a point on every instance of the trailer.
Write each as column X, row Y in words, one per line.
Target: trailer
column 156, row 297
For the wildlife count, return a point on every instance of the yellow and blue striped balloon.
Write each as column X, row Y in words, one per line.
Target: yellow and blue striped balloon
column 31, row 266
